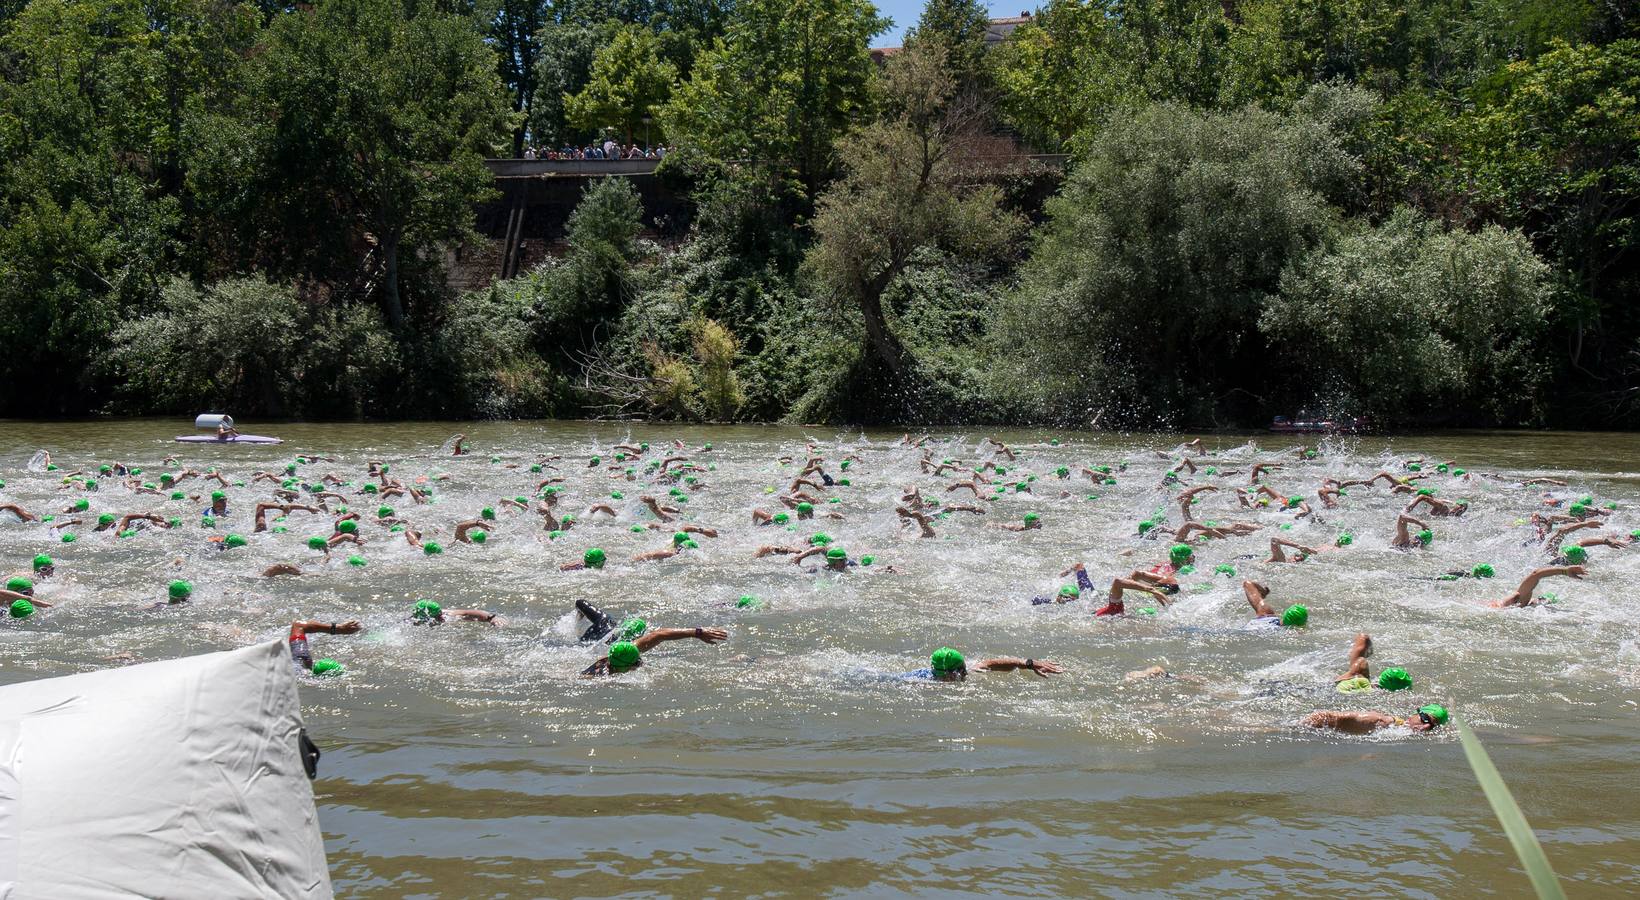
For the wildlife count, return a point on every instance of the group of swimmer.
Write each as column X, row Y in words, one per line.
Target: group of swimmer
column 1565, row 528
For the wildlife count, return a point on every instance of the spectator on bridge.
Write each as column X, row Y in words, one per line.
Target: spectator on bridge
column 611, row 149
column 529, row 152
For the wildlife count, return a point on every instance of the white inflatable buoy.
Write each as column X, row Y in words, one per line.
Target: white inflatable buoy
column 212, row 420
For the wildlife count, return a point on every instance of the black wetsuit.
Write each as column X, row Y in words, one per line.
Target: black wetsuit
column 602, row 622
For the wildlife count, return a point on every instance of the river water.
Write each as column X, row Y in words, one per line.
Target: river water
column 473, row 761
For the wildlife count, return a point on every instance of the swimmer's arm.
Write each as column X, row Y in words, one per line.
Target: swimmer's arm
column 1560, row 533
column 662, row 635
column 463, row 527
column 22, row 514
column 474, row 615
column 812, row 551
column 351, row 626
column 12, row 596
column 1043, row 668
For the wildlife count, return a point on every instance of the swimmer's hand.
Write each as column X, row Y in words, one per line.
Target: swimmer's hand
column 1043, row 668
column 351, row 626
column 712, row 635
column 1576, row 571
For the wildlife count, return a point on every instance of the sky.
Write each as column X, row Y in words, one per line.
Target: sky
column 905, row 12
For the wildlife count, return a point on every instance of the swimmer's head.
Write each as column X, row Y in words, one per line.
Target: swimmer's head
column 1032, row 520
column 632, row 629
column 948, row 663
column 820, row 539
column 837, row 558
column 1179, row 554
column 1482, row 570
column 1070, row 591
column 432, row 548
column 1579, row 509
column 479, row 536
column 1432, row 715
column 317, row 543
column 781, row 518
column 624, row 656
column 678, row 537
column 867, row 559
column 179, row 591
column 1394, row 679
column 1426, row 537
column 747, row 601
column 324, row 667
column 1345, row 539
column 234, row 540
column 105, row 520
column 1295, row 616
column 81, row 505
column 218, row 497
column 1146, row 525
column 357, row 561
column 384, row 512
column 805, row 510
column 20, row 585
column 1063, row 471
column 1225, row 569
column 1575, row 554
column 594, row 558
column 21, row 609
column 427, row 612
column 347, row 526
column 44, row 565
column 487, row 512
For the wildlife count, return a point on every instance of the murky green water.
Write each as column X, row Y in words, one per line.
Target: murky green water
column 468, row 761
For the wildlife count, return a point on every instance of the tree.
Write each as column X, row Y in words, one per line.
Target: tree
column 378, row 124
column 959, row 26
column 906, row 186
column 1411, row 322
column 785, row 81
column 628, row 81
column 563, row 69
column 515, row 32
column 1159, row 251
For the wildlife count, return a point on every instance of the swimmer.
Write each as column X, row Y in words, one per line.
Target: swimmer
column 1438, row 507
column 947, row 664
column 464, row 531
column 262, row 510
column 1360, row 650
column 1522, row 595
column 427, row 612
column 24, row 515
column 624, row 656
column 1068, row 592
column 602, row 626
column 1277, row 556
column 1031, row 522
column 458, row 445
column 1187, row 498
column 592, row 559
column 303, row 656
column 1426, row 719
column 18, row 594
column 836, row 558
column 1405, row 540
column 1295, row 616
column 1119, row 586
column 280, row 570
column 908, row 516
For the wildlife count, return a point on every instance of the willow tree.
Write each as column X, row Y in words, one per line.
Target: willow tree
column 909, row 183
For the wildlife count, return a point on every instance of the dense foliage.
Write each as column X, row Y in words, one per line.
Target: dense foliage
column 1425, row 212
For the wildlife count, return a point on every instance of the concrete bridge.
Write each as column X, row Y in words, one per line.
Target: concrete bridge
column 525, row 223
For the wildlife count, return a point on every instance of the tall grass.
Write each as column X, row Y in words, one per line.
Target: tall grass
column 1508, row 812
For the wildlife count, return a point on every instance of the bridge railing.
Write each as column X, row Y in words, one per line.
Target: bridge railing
column 583, row 168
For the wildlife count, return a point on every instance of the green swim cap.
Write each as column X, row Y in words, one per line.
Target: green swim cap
column 81, row 505
column 1032, row 518
column 129, row 532
column 747, row 601
column 781, row 518
column 1426, row 492
column 623, row 655
column 1414, row 467
column 522, row 501
column 832, row 500
column 316, row 543
column 843, row 482
column 593, row 558
column 105, row 519
column 1063, row 472
column 347, row 526
column 1110, row 481
column 19, row 585
column 867, row 560
column 105, row 469
column 207, row 522
column 1179, row 554
column 1436, row 712
column 70, row 537
column 947, row 660
column 1345, row 539
column 235, row 540
column 1309, row 454
column 1187, row 570
column 1225, row 569
column 479, row 536
column 21, row 609
column 836, row 553
column 1574, row 554
column 820, row 539
column 1295, row 616
column 616, row 495
column 1482, row 570
column 1070, row 590
column 691, row 545
column 180, row 590
column 178, row 495
column 637, row 529
column 1211, row 470
column 91, row 484
column 166, row 478
column 535, row 468
column 1579, row 509
column 1426, row 537
column 357, row 561
column 218, row 495
column 678, row 537
column 596, row 460
column 383, row 512
column 41, row 561
column 1441, row 468
column 805, row 507
column 632, row 628
column 1457, row 471
column 1395, row 679
column 432, row 548
column 554, row 535
column 426, row 610
column 324, row 667
column 1146, row 525
column 487, row 512
column 370, row 488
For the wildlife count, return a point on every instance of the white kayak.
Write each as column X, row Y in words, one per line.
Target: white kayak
column 232, row 439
